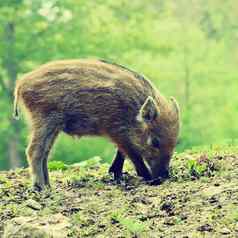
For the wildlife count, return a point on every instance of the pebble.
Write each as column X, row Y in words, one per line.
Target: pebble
column 206, row 227
column 170, row 221
column 167, row 206
column 33, row 204
column 225, row 231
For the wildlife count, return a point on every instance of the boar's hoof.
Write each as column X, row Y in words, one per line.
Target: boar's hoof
column 37, row 187
column 117, row 175
column 164, row 174
column 155, row 182
column 111, row 170
column 159, row 180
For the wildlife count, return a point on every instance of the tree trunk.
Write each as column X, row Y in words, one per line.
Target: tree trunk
column 11, row 66
column 13, row 152
column 186, row 79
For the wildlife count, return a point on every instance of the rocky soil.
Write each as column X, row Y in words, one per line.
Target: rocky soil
column 199, row 200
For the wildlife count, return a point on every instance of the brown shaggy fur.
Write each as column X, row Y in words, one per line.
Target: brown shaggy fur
column 96, row 97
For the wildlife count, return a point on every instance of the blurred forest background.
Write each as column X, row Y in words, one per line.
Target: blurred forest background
column 187, row 48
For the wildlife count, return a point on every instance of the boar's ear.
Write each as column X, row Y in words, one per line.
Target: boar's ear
column 149, row 111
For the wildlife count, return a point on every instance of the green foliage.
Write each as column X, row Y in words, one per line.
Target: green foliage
column 188, row 52
column 201, row 163
column 73, row 151
column 92, row 162
column 235, row 215
column 57, row 165
column 132, row 225
column 195, row 168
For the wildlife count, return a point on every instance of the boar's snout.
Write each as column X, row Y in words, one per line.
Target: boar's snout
column 159, row 168
column 162, row 174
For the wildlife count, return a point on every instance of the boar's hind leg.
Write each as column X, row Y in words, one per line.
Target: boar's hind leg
column 37, row 151
column 48, row 145
column 117, row 165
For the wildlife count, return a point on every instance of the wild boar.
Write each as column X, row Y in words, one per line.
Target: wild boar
column 96, row 97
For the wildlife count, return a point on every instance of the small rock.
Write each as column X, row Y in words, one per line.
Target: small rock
column 183, row 216
column 157, row 181
column 142, row 200
column 167, row 206
column 170, row 221
column 213, row 199
column 236, row 227
column 73, row 210
column 33, row 204
column 102, row 225
column 37, row 227
column 225, row 231
column 205, row 227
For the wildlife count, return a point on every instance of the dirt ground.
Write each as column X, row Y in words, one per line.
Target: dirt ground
column 199, row 200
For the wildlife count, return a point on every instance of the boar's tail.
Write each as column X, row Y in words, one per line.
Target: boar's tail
column 15, row 106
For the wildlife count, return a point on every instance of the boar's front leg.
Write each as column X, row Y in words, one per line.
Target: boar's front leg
column 138, row 161
column 117, row 165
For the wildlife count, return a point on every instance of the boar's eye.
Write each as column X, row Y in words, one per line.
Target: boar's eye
column 156, row 142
